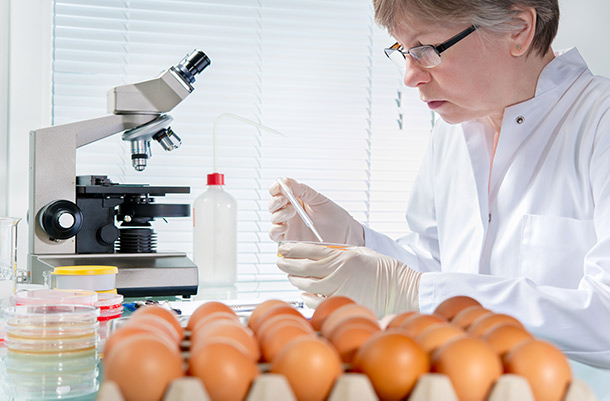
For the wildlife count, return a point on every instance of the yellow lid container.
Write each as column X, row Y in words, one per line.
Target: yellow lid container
column 85, row 270
column 85, row 277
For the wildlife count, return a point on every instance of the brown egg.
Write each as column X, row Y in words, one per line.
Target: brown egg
column 143, row 366
column 397, row 320
column 226, row 329
column 437, row 335
column 262, row 308
column 471, row 364
column 479, row 327
column 351, row 320
column 415, row 324
column 226, row 371
column 311, row 366
column 347, row 339
column 275, row 311
column 341, row 313
column 156, row 324
column 452, row 306
column 279, row 335
column 504, row 336
column 543, row 365
column 393, row 362
column 466, row 316
column 206, row 309
column 275, row 320
column 123, row 332
column 214, row 316
column 326, row 307
column 169, row 316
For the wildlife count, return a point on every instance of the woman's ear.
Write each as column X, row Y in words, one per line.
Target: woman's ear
column 521, row 39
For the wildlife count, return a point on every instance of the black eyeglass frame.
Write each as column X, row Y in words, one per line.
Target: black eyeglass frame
column 438, row 49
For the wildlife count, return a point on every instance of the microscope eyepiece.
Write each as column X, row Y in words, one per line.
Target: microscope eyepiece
column 192, row 64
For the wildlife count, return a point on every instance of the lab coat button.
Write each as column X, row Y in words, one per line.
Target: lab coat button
column 520, row 120
column 489, row 218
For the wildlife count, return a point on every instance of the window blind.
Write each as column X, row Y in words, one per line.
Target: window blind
column 313, row 70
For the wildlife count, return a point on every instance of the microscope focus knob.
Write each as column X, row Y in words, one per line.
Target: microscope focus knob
column 108, row 234
column 61, row 219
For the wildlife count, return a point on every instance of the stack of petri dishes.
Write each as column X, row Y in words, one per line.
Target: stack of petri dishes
column 110, row 304
column 111, row 307
column 51, row 351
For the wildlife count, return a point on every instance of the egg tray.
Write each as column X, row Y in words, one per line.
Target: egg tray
column 355, row 387
column 349, row 386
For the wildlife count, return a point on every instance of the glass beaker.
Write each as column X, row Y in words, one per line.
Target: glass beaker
column 8, row 258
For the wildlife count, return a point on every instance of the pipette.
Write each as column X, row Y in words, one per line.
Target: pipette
column 299, row 209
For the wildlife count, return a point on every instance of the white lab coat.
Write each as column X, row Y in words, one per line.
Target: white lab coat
column 537, row 245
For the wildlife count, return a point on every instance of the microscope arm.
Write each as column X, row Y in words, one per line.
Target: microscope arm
column 89, row 131
column 53, row 168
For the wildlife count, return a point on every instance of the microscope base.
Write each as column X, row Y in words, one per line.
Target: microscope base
column 140, row 274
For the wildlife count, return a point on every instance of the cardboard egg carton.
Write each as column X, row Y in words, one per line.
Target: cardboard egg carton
column 355, row 387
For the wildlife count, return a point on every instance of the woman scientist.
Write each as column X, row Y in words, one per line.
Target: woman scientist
column 512, row 202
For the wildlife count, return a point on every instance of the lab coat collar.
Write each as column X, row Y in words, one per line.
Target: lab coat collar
column 564, row 68
column 555, row 78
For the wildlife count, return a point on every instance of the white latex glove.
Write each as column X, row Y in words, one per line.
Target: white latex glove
column 379, row 282
column 333, row 222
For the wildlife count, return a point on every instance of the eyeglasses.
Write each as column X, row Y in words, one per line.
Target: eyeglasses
column 427, row 56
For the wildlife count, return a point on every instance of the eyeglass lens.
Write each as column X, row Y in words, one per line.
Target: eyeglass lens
column 425, row 56
column 397, row 58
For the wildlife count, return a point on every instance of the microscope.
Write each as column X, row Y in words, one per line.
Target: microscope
column 73, row 220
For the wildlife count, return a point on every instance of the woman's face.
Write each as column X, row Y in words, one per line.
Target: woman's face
column 471, row 82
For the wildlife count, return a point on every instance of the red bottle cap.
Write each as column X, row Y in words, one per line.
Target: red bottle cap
column 216, row 179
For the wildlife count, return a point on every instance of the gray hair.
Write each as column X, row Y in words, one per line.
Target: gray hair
column 494, row 16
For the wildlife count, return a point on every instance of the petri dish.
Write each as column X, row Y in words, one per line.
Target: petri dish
column 46, row 296
column 46, row 315
column 111, row 307
column 107, row 300
column 42, row 378
column 75, row 362
column 52, row 346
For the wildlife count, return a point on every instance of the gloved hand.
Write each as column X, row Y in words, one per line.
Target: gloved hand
column 333, row 222
column 379, row 282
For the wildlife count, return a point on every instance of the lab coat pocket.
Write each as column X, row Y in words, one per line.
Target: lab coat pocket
column 553, row 249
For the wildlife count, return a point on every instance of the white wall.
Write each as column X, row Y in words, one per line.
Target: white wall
column 29, row 104
column 586, row 25
column 4, row 62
